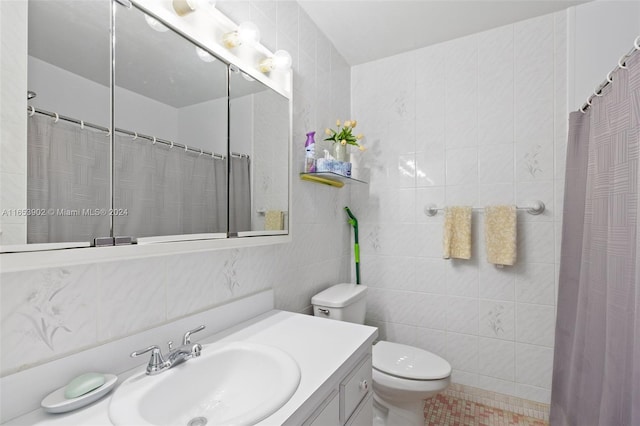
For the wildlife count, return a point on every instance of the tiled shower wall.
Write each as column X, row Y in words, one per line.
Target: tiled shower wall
column 50, row 313
column 475, row 121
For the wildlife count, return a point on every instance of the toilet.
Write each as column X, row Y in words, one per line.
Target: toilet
column 403, row 376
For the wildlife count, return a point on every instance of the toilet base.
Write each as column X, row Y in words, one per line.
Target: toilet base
column 397, row 413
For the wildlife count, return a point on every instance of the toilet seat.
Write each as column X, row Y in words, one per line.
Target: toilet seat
column 408, row 362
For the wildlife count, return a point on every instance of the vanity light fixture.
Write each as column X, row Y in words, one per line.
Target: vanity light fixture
column 155, row 24
column 185, row 7
column 281, row 60
column 204, row 55
column 247, row 34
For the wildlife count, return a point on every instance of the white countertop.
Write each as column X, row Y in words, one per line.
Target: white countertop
column 319, row 346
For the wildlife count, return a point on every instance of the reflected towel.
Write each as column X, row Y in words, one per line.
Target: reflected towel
column 500, row 234
column 273, row 220
column 456, row 241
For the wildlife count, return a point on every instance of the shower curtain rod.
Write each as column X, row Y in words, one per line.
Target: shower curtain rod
column 621, row 65
column 32, row 110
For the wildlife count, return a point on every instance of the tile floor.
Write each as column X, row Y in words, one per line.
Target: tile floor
column 445, row 410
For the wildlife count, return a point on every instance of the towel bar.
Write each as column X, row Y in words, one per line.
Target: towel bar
column 535, row 208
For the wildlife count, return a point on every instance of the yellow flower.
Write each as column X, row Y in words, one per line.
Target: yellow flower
column 347, row 123
column 343, row 142
column 360, row 136
column 362, row 148
column 338, row 123
column 328, row 131
column 353, row 123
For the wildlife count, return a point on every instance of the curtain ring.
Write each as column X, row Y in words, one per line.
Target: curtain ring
column 201, row 152
column 621, row 63
column 582, row 109
column 135, row 136
column 610, row 77
column 636, row 43
column 596, row 90
column 32, row 111
column 82, row 124
column 186, row 148
column 108, row 132
column 171, row 146
column 57, row 117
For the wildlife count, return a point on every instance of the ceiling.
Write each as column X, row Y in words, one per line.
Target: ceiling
column 366, row 30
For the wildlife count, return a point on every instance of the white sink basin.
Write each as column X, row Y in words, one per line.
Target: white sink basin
column 235, row 383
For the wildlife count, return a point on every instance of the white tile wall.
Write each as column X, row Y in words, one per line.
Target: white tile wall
column 490, row 128
column 104, row 301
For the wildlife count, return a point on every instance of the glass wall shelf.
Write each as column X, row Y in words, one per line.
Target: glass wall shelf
column 330, row 178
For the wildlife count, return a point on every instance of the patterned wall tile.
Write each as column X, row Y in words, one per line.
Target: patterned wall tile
column 497, row 319
column 47, row 313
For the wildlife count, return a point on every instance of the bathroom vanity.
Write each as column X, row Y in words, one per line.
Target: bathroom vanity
column 334, row 359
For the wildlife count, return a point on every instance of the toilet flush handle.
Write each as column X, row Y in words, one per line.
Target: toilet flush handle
column 324, row 311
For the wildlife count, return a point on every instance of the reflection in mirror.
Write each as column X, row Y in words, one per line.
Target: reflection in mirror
column 68, row 164
column 259, row 145
column 170, row 143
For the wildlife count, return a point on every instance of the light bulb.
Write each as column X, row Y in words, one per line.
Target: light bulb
column 204, row 55
column 281, row 61
column 155, row 24
column 248, row 33
column 184, row 7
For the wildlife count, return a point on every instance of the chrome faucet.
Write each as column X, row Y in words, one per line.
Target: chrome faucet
column 159, row 363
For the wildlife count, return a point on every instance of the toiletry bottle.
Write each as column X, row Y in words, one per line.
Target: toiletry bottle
column 310, row 154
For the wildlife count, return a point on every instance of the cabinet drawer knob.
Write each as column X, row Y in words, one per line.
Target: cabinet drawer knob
column 364, row 385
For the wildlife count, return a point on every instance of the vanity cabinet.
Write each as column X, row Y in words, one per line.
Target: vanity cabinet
column 351, row 402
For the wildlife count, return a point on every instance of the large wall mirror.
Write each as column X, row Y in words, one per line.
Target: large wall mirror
column 259, row 144
column 144, row 134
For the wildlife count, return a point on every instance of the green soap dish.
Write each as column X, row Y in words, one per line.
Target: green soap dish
column 88, row 387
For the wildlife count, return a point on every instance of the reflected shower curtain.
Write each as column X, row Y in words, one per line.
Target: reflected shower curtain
column 596, row 372
column 167, row 191
column 67, row 171
column 240, row 195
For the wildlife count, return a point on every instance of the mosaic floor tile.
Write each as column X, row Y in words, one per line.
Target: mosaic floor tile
column 443, row 410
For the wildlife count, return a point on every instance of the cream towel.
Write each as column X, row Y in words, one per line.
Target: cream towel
column 456, row 240
column 273, row 220
column 500, row 234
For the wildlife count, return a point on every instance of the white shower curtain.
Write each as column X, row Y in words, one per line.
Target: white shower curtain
column 67, row 171
column 596, row 372
column 167, row 191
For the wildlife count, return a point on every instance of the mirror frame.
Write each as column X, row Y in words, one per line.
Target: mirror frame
column 196, row 29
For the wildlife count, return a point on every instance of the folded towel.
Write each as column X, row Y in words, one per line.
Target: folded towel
column 456, row 240
column 500, row 234
column 274, row 220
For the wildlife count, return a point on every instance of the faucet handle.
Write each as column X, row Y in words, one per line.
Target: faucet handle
column 187, row 336
column 156, row 363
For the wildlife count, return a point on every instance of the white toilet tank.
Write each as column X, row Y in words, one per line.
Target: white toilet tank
column 342, row 302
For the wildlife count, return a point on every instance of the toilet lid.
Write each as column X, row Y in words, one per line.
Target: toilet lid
column 409, row 362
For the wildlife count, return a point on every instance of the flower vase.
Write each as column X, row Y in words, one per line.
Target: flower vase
column 340, row 152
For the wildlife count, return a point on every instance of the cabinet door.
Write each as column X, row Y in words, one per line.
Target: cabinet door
column 328, row 413
column 355, row 388
column 363, row 416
